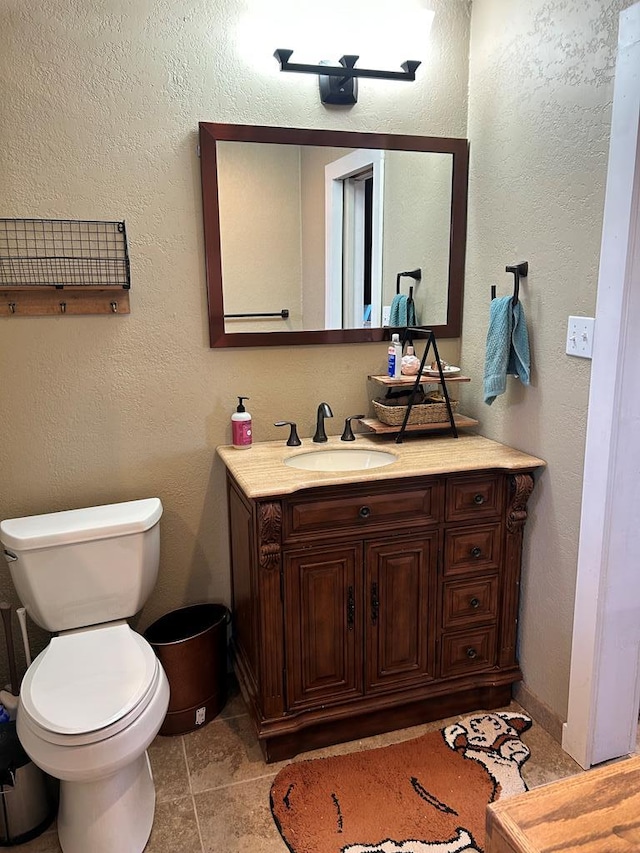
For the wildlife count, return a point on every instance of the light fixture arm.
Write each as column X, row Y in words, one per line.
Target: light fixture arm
column 348, row 69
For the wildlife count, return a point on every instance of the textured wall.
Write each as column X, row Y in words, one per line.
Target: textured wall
column 541, row 84
column 100, row 107
column 99, row 120
column 261, row 259
column 416, row 234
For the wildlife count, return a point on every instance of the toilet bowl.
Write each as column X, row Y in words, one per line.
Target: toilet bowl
column 94, row 699
column 90, row 705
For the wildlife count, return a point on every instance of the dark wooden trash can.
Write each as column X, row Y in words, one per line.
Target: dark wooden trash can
column 191, row 643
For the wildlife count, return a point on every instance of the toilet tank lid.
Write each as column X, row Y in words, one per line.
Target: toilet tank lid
column 80, row 525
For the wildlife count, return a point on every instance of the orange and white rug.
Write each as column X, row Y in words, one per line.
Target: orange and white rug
column 426, row 795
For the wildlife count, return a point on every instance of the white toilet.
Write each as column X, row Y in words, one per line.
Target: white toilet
column 94, row 699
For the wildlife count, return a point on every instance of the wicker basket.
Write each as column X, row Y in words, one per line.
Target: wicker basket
column 432, row 412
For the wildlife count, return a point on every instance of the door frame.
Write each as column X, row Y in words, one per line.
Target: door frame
column 604, row 689
column 336, row 173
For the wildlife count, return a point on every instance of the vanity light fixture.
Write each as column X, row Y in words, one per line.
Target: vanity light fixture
column 338, row 84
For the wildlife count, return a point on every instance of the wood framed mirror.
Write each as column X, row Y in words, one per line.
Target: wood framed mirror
column 309, row 233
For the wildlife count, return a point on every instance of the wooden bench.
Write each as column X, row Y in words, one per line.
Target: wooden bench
column 594, row 812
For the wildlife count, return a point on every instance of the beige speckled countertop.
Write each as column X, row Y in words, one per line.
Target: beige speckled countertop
column 260, row 470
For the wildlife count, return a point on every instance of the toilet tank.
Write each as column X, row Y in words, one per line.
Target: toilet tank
column 83, row 567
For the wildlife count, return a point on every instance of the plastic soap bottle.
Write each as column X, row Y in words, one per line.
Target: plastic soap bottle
column 241, row 426
column 395, row 357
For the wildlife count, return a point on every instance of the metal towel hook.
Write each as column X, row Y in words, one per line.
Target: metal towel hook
column 414, row 274
column 519, row 271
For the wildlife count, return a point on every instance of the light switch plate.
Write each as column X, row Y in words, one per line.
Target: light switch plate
column 580, row 331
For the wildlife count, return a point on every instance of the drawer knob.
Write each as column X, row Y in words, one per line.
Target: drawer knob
column 472, row 653
column 474, row 603
column 476, row 552
column 478, row 499
column 364, row 511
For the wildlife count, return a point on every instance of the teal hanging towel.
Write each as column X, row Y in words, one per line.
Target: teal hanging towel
column 507, row 350
column 403, row 312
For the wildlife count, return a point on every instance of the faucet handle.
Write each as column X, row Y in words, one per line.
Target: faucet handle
column 347, row 434
column 293, row 440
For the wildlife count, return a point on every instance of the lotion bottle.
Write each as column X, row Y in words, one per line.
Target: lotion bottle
column 241, row 426
column 410, row 363
column 395, row 357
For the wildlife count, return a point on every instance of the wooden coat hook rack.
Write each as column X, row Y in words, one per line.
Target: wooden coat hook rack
column 63, row 267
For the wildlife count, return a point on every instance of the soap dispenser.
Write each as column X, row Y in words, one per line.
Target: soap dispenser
column 241, row 426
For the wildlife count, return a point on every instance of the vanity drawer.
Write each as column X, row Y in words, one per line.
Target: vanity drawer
column 473, row 497
column 468, row 602
column 472, row 549
column 363, row 510
column 468, row 651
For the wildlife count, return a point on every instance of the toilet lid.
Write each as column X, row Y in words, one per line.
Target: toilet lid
column 87, row 680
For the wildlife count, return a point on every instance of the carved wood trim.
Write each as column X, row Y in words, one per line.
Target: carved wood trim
column 270, row 535
column 521, row 486
column 269, row 521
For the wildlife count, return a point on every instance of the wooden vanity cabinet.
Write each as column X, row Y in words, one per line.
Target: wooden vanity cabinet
column 357, row 619
column 367, row 607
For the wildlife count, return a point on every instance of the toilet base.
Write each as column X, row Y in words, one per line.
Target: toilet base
column 112, row 813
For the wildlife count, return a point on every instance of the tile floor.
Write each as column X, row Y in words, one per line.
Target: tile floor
column 213, row 786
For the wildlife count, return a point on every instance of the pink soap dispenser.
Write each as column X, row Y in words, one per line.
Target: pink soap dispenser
column 241, row 426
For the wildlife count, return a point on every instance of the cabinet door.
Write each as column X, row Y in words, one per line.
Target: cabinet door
column 400, row 627
column 323, row 623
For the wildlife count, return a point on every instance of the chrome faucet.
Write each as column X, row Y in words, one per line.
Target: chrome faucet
column 324, row 411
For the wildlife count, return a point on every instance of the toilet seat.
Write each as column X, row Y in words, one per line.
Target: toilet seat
column 89, row 684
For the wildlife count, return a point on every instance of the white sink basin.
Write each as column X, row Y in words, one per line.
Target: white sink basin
column 351, row 459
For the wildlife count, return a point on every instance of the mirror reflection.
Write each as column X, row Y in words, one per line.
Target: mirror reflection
column 315, row 236
column 322, row 234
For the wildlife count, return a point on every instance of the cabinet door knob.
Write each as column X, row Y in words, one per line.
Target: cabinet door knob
column 476, row 552
column 478, row 499
column 472, row 653
column 474, row 603
column 364, row 511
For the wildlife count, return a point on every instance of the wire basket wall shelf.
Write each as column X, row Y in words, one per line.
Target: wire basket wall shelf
column 63, row 266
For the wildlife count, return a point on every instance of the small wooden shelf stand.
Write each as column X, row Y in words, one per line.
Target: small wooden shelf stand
column 376, row 426
column 427, row 379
